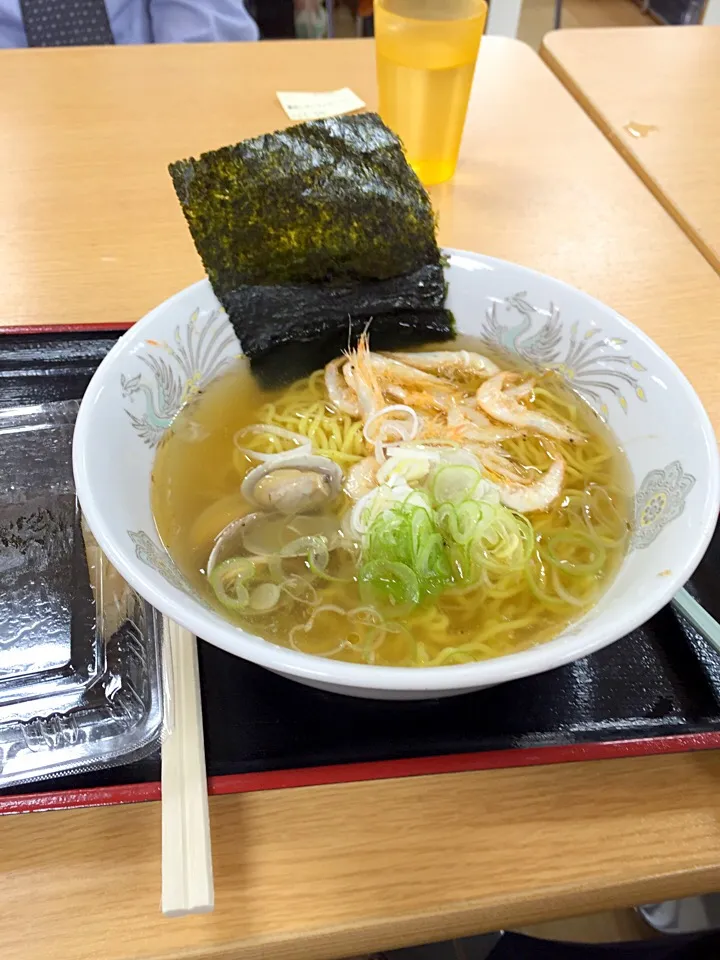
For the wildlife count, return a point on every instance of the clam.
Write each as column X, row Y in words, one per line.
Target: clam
column 229, row 541
column 300, row 484
column 266, row 536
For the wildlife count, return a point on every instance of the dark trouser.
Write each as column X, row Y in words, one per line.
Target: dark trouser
column 275, row 18
column 515, row 947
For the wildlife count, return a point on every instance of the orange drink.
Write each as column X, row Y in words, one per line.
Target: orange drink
column 426, row 53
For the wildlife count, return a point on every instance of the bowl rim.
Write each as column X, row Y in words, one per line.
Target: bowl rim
column 341, row 674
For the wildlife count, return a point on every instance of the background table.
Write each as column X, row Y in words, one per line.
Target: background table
column 91, row 232
column 655, row 93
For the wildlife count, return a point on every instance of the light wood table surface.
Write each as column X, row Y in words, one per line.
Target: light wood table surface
column 90, row 231
column 654, row 93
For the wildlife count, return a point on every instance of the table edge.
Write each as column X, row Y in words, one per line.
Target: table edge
column 548, row 57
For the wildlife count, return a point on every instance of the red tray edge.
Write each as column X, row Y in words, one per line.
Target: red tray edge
column 371, row 770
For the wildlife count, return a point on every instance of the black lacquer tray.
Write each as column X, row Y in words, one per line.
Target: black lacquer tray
column 655, row 691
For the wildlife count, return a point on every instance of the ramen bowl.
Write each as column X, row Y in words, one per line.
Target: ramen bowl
column 656, row 417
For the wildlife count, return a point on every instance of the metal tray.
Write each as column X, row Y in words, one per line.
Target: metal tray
column 80, row 682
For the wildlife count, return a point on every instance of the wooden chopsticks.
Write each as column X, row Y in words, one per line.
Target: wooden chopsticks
column 187, row 871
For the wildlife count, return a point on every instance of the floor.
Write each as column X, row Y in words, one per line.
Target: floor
column 613, row 926
column 537, row 16
column 610, row 927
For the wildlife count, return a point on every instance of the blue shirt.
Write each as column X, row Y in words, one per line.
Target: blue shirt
column 154, row 21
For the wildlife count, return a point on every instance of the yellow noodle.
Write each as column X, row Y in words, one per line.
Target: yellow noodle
column 305, row 409
column 195, row 495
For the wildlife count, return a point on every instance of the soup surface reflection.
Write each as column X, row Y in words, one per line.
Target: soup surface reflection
column 422, row 509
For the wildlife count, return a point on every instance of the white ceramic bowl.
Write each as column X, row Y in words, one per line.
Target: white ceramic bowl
column 187, row 341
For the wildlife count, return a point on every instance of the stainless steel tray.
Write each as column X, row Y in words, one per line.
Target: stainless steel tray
column 80, row 678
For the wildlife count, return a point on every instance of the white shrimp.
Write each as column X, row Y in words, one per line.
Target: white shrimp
column 534, row 496
column 520, row 391
column 420, row 399
column 469, row 424
column 371, row 376
column 340, row 394
column 360, row 375
column 347, row 372
column 499, row 462
column 449, row 363
column 420, row 389
column 405, row 375
column 475, row 416
column 492, row 399
column 361, row 478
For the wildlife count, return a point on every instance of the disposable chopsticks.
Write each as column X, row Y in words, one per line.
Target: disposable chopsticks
column 187, row 872
column 698, row 616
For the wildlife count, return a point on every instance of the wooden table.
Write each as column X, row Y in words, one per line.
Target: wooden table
column 654, row 94
column 90, row 232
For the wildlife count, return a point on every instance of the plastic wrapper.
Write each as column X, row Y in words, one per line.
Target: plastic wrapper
column 80, row 652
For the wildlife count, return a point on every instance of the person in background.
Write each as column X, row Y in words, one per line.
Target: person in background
column 58, row 23
column 275, row 18
column 283, row 19
column 310, row 19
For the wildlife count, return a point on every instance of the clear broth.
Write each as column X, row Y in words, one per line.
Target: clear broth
column 196, row 493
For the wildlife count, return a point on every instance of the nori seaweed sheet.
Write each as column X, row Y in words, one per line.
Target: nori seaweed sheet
column 309, row 233
column 299, row 313
column 398, row 330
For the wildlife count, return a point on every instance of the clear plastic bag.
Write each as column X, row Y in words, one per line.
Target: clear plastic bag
column 80, row 651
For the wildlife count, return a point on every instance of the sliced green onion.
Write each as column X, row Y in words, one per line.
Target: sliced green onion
column 536, row 588
column 300, row 590
column 432, row 565
column 367, row 616
column 275, row 568
column 316, row 545
column 462, row 566
column 227, row 582
column 319, row 571
column 422, row 527
column 454, row 483
column 605, row 523
column 389, row 585
column 576, row 538
column 564, row 594
column 306, row 627
column 505, row 543
column 265, row 597
column 459, row 522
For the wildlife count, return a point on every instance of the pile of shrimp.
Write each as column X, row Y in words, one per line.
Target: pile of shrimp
column 432, row 400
